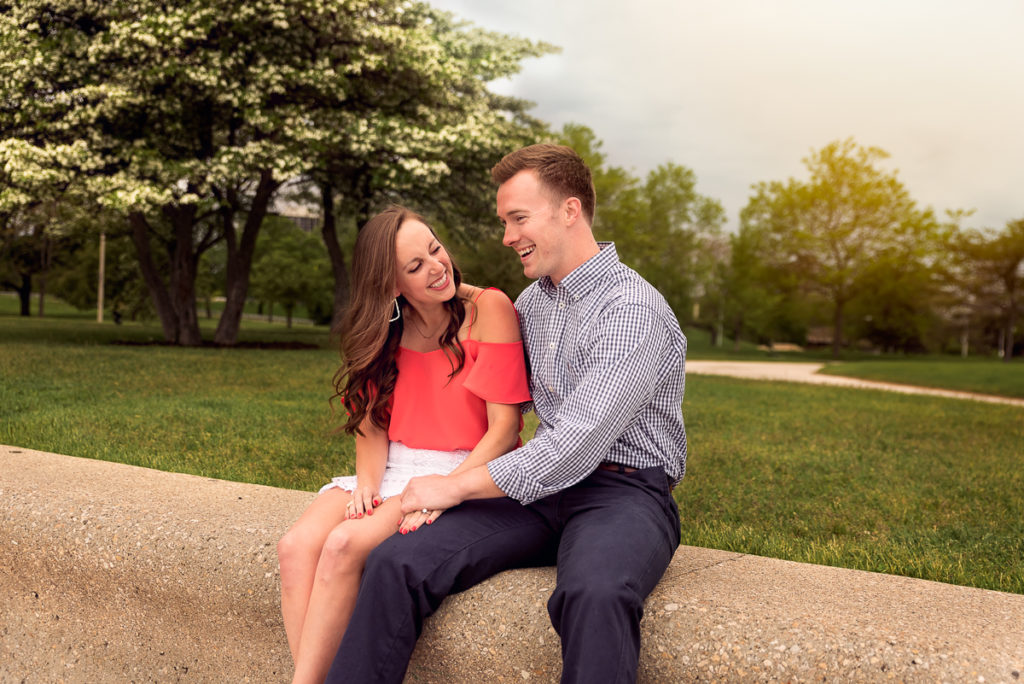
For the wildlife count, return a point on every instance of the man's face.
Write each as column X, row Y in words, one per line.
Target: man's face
column 533, row 226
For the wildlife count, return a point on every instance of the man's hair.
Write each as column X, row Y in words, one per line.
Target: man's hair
column 560, row 170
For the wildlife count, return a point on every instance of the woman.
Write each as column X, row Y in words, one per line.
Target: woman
column 432, row 378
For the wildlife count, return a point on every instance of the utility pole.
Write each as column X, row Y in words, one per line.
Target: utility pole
column 103, row 268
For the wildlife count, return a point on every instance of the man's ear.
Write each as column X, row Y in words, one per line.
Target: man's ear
column 572, row 210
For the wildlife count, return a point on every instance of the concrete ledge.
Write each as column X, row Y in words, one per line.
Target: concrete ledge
column 115, row 573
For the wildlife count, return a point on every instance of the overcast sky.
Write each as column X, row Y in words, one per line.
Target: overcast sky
column 741, row 91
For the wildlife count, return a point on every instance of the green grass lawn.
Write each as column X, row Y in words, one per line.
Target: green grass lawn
column 986, row 376
column 917, row 486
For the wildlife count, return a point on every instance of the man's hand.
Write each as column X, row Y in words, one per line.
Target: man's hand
column 432, row 492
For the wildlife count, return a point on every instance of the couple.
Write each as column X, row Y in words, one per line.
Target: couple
column 433, row 378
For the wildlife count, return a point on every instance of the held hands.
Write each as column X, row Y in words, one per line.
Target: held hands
column 424, row 499
column 410, row 522
column 431, row 492
column 363, row 501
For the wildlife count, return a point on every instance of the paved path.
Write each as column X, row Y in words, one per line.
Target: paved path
column 808, row 372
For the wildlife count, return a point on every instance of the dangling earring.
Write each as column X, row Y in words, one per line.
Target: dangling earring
column 398, row 313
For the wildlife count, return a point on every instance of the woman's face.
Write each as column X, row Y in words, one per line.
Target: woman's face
column 424, row 269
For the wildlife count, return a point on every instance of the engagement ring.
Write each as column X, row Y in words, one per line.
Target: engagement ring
column 424, row 511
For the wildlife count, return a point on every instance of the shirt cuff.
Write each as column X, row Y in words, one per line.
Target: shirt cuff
column 510, row 479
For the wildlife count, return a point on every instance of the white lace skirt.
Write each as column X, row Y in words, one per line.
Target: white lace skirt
column 405, row 463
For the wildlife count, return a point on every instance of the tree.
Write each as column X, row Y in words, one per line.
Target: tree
column 835, row 227
column 291, row 267
column 422, row 129
column 187, row 117
column 995, row 262
column 662, row 226
column 751, row 298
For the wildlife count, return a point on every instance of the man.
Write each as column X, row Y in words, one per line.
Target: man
column 592, row 490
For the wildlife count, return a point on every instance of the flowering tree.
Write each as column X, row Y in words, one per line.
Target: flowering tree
column 420, row 128
column 187, row 116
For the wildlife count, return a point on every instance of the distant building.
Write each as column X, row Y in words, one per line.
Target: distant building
column 294, row 202
column 305, row 222
column 819, row 337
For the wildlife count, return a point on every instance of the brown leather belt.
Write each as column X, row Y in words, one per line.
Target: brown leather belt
column 615, row 467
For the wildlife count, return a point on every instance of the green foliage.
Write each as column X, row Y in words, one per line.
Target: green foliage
column 187, row 117
column 662, row 227
column 837, row 232
column 991, row 279
column 292, row 268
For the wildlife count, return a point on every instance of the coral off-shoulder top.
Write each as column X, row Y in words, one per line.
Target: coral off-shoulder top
column 429, row 412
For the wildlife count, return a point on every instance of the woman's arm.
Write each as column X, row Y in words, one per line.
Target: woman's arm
column 371, row 459
column 496, row 322
column 501, row 437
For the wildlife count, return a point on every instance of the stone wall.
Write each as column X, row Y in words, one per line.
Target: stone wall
column 115, row 573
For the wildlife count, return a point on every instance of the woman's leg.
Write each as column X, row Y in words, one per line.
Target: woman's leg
column 336, row 585
column 299, row 552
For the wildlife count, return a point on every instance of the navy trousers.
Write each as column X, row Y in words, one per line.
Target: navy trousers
column 612, row 536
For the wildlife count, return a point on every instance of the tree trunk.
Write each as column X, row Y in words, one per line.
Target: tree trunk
column 44, row 268
column 329, row 231
column 1011, row 321
column 155, row 284
column 240, row 253
column 837, row 328
column 25, row 294
column 184, row 264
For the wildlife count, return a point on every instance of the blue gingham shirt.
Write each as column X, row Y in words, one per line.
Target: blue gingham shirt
column 606, row 374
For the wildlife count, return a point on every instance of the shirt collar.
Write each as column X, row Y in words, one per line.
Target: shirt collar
column 585, row 276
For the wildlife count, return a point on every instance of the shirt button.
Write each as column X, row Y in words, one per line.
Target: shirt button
column 561, row 305
column 551, row 345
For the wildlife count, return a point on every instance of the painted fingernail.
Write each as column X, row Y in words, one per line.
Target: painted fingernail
column 360, row 515
column 413, row 528
column 376, row 502
column 429, row 521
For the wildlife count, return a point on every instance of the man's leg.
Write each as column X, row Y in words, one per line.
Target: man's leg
column 619, row 534
column 408, row 576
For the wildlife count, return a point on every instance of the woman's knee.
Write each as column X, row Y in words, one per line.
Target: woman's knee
column 342, row 551
column 295, row 548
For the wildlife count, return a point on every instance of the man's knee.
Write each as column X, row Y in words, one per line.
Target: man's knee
column 594, row 595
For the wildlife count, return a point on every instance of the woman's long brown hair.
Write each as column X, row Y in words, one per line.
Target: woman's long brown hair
column 365, row 381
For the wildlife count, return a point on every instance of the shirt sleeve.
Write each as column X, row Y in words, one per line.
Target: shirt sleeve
column 617, row 378
column 499, row 373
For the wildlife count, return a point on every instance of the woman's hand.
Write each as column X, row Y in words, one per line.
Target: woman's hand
column 363, row 501
column 410, row 522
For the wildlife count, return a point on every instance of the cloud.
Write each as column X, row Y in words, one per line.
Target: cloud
column 741, row 91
